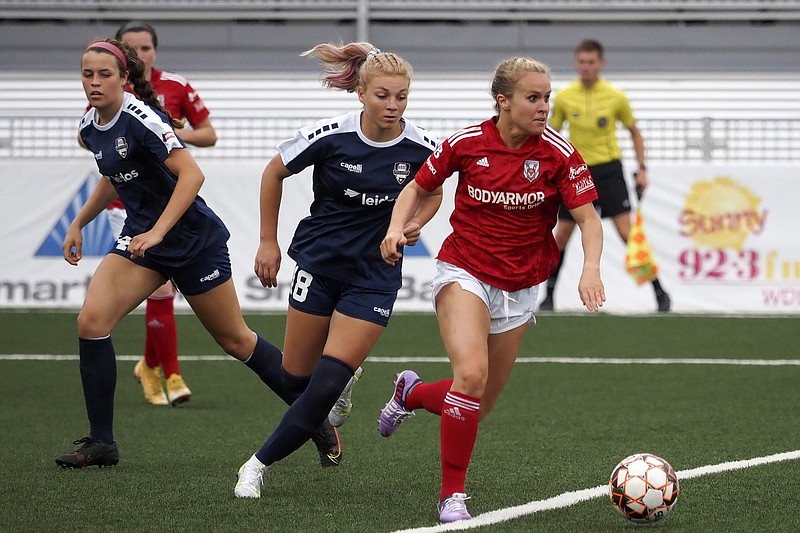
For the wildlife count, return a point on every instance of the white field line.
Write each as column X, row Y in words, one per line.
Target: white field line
column 568, row 499
column 521, row 360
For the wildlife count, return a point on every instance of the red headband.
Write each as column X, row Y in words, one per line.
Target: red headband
column 111, row 48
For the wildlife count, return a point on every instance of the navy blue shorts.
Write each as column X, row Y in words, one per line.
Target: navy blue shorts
column 316, row 294
column 212, row 270
column 612, row 191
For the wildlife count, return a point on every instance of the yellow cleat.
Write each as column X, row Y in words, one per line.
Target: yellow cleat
column 150, row 378
column 177, row 391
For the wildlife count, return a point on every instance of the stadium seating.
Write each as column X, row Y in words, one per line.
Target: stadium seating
column 709, row 119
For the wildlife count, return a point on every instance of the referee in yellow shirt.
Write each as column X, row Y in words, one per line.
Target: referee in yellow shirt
column 592, row 107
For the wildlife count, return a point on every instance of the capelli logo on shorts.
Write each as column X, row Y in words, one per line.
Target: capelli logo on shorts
column 213, row 275
column 385, row 313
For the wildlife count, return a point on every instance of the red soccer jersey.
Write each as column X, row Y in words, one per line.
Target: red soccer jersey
column 178, row 97
column 506, row 202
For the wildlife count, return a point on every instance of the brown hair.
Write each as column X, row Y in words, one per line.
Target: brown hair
column 137, row 26
column 590, row 45
column 136, row 78
column 350, row 66
column 508, row 73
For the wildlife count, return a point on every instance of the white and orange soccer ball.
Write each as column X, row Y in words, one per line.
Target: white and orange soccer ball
column 643, row 487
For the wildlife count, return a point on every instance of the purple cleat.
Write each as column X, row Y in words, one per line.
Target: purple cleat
column 393, row 414
column 454, row 508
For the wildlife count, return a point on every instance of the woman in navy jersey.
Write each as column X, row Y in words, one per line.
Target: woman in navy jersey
column 513, row 172
column 342, row 294
column 169, row 233
column 182, row 102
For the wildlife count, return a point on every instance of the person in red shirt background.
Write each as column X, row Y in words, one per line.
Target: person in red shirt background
column 513, row 172
column 178, row 97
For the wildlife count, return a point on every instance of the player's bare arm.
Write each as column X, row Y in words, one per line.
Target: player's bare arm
column 407, row 203
column 268, row 255
column 590, row 285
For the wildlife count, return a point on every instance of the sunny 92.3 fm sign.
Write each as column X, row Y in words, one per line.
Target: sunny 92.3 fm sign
column 719, row 217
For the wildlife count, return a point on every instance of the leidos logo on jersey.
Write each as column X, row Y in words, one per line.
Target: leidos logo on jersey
column 121, row 146
column 123, row 176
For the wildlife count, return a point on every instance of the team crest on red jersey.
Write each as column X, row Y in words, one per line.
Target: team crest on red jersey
column 121, row 146
column 531, row 170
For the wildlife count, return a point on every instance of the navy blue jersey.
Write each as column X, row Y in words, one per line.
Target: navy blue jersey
column 130, row 152
column 356, row 182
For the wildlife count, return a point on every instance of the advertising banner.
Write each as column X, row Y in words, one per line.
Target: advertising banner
column 725, row 239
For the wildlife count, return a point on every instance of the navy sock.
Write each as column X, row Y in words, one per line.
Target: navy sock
column 98, row 366
column 266, row 363
column 306, row 414
column 294, row 386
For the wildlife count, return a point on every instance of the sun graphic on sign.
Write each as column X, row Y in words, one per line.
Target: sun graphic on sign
column 727, row 210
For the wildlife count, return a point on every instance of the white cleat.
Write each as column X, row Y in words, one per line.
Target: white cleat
column 340, row 411
column 250, row 478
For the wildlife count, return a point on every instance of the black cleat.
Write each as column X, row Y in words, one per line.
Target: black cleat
column 91, row 453
column 326, row 439
column 664, row 302
column 547, row 303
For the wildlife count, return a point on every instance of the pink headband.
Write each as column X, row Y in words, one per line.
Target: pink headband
column 111, row 48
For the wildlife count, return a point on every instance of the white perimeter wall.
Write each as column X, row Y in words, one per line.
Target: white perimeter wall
column 726, row 238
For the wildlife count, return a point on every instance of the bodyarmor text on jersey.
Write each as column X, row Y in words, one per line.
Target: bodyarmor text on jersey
column 527, row 199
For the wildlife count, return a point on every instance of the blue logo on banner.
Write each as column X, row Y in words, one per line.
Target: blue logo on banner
column 418, row 250
column 97, row 235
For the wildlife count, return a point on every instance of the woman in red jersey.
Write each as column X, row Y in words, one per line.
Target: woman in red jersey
column 513, row 172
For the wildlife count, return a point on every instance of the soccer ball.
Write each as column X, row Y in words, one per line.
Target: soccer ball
column 643, row 487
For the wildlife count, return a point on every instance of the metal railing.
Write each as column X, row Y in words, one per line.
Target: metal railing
column 669, row 141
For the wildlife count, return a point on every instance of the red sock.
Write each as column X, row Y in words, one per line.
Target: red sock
column 459, row 429
column 161, row 343
column 429, row 396
column 150, row 354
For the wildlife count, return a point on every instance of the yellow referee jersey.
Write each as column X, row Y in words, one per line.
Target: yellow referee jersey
column 592, row 115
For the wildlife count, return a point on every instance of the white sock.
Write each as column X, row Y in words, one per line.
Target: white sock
column 253, row 461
